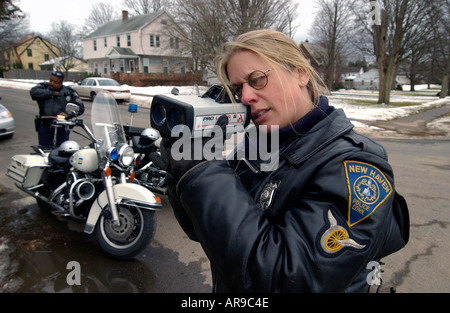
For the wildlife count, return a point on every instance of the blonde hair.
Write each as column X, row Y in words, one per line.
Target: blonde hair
column 275, row 47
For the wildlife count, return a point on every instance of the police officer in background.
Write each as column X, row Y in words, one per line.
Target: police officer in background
column 52, row 98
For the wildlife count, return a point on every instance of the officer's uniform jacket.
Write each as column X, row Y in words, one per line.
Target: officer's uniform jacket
column 51, row 105
column 314, row 224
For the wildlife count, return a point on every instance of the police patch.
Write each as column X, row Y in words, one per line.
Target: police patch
column 336, row 238
column 368, row 188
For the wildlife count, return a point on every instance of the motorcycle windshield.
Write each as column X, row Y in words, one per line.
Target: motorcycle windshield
column 106, row 122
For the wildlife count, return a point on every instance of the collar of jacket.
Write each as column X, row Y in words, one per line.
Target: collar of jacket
column 303, row 147
column 302, row 126
column 318, row 137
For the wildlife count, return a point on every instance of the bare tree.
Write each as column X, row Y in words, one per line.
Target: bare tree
column 288, row 23
column 101, row 13
column 394, row 29
column 67, row 38
column 207, row 24
column 13, row 25
column 140, row 7
column 439, row 16
column 246, row 15
column 202, row 29
column 13, row 22
column 330, row 29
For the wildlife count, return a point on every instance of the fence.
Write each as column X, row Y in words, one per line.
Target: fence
column 157, row 79
column 136, row 79
column 39, row 75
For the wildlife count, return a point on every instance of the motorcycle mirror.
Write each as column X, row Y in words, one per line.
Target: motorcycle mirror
column 72, row 107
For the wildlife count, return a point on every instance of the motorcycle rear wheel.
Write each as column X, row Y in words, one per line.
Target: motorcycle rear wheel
column 131, row 237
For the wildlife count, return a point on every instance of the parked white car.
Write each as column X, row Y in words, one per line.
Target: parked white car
column 7, row 126
column 91, row 86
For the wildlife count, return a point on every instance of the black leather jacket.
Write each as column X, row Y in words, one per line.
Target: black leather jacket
column 311, row 225
column 51, row 105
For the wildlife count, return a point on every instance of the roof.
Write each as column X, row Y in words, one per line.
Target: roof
column 371, row 74
column 24, row 40
column 318, row 52
column 117, row 52
column 132, row 24
column 56, row 61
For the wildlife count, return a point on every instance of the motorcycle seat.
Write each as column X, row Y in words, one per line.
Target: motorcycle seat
column 56, row 158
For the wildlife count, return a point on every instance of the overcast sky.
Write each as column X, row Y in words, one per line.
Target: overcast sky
column 43, row 13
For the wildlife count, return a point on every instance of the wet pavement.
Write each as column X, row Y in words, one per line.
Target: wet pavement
column 36, row 249
column 413, row 126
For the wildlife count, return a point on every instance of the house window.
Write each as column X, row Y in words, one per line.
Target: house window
column 155, row 61
column 46, row 57
column 118, row 41
column 129, row 40
column 29, row 53
column 122, row 65
column 105, row 42
column 146, row 64
column 95, row 45
column 30, row 66
column 154, row 41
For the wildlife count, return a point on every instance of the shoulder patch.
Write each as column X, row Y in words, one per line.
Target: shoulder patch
column 368, row 188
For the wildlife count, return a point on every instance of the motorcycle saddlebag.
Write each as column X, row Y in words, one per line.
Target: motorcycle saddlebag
column 27, row 169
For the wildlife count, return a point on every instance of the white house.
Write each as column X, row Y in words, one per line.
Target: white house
column 369, row 80
column 349, row 76
column 141, row 43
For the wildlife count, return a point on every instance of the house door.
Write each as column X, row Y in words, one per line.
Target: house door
column 132, row 67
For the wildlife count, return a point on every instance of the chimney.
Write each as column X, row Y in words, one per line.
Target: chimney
column 124, row 15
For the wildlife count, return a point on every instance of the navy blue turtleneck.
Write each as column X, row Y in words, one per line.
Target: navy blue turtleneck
column 289, row 133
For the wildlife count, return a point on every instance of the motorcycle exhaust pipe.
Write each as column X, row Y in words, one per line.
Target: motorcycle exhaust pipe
column 37, row 195
column 85, row 190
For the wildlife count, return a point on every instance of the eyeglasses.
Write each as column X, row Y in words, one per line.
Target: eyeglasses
column 58, row 74
column 256, row 79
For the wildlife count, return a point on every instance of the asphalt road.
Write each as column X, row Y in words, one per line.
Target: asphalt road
column 35, row 248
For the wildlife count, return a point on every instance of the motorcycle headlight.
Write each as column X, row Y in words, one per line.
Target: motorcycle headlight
column 112, row 154
column 126, row 155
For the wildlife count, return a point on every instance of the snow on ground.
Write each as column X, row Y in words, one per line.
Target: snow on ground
column 351, row 101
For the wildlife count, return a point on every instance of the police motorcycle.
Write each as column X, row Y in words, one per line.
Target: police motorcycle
column 92, row 185
column 145, row 142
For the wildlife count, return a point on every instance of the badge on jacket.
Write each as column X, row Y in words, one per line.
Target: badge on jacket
column 368, row 188
column 267, row 195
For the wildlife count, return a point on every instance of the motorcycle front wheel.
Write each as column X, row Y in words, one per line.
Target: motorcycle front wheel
column 127, row 240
